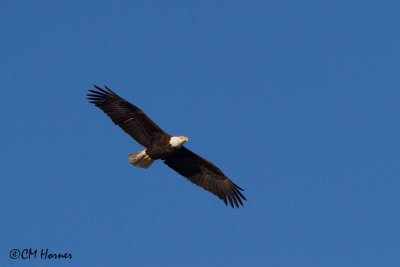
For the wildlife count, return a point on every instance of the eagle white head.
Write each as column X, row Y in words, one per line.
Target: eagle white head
column 178, row 141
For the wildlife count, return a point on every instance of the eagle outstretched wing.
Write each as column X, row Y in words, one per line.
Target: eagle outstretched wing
column 205, row 174
column 130, row 118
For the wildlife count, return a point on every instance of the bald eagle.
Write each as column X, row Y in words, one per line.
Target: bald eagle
column 162, row 146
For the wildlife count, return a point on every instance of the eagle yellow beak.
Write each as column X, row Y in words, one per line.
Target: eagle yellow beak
column 185, row 139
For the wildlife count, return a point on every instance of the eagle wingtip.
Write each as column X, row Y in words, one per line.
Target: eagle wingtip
column 95, row 86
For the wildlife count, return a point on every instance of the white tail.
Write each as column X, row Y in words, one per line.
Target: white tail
column 141, row 159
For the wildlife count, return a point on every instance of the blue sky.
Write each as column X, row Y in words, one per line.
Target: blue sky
column 296, row 101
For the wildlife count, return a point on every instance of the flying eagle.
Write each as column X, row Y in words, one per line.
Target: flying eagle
column 160, row 145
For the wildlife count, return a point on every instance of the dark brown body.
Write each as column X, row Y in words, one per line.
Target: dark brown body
column 161, row 148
